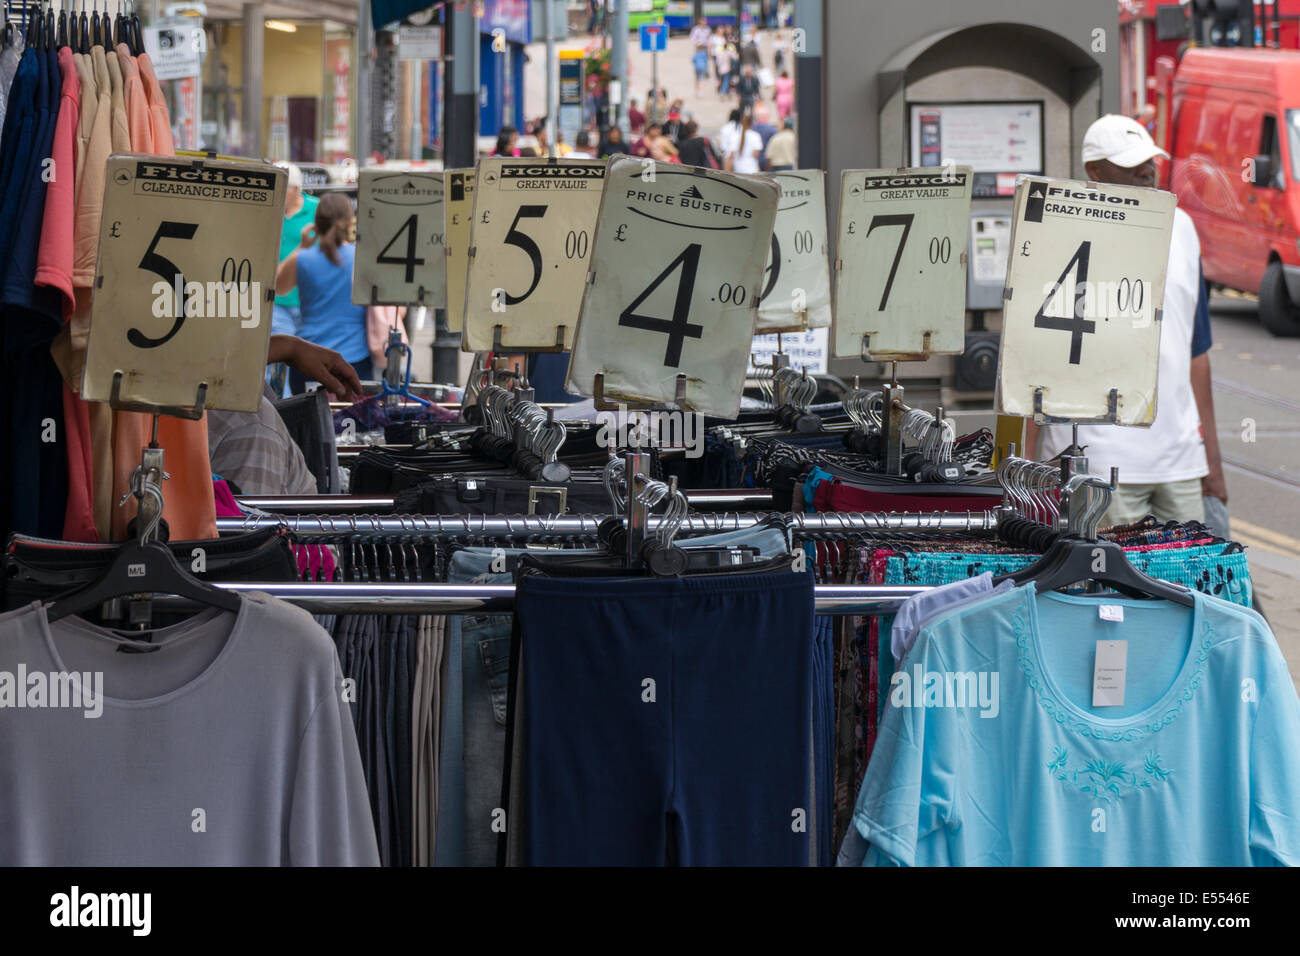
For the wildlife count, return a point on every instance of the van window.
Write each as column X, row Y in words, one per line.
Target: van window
column 1293, row 141
column 1270, row 146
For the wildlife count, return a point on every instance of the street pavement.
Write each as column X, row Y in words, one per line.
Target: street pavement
column 1257, row 410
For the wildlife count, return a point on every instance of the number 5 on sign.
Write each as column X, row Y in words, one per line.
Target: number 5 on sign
column 900, row 275
column 401, row 257
column 185, row 278
column 529, row 246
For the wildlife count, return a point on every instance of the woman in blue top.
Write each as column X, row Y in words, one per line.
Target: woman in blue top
column 321, row 269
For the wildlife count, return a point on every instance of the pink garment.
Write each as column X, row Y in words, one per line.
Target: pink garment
column 159, row 121
column 784, row 96
column 380, row 319
column 137, row 104
column 224, row 499
column 54, row 256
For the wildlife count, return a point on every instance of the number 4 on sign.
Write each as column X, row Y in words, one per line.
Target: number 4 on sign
column 1073, row 322
column 678, row 327
column 410, row 261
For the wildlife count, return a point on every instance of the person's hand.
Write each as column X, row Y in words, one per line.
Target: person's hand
column 1213, row 485
column 316, row 363
column 308, row 236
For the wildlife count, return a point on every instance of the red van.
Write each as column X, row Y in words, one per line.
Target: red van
column 1231, row 124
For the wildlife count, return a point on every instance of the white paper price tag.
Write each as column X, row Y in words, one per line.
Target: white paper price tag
column 459, row 213
column 529, row 250
column 400, row 250
column 185, row 280
column 676, row 272
column 797, row 281
column 900, row 279
column 1085, row 286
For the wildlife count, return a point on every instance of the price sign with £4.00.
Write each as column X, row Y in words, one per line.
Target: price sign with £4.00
column 400, row 256
column 1084, row 291
column 668, row 313
column 185, row 280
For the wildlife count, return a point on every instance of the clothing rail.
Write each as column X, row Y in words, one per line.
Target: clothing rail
column 326, row 504
column 801, row 525
column 833, row 599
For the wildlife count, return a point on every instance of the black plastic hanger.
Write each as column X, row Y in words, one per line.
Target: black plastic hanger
column 83, row 30
column 1071, row 560
column 50, row 35
column 63, row 27
column 162, row 574
column 137, row 35
column 119, row 25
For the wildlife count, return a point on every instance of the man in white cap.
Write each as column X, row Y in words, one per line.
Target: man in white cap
column 1171, row 468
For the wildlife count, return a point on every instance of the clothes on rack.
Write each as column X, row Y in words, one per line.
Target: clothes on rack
column 634, row 753
column 117, row 763
column 1203, row 730
column 67, row 465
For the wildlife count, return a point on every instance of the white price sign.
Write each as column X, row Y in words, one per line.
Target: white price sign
column 529, row 250
column 459, row 214
column 185, row 278
column 900, row 276
column 1085, row 286
column 797, row 281
column 400, row 256
column 675, row 277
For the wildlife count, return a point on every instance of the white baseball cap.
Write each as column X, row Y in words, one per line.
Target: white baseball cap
column 1125, row 142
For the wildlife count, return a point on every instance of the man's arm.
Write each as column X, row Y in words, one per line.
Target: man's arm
column 1212, row 484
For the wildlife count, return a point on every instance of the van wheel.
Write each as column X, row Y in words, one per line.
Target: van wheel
column 1276, row 310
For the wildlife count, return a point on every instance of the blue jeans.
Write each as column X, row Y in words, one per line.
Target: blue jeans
column 285, row 320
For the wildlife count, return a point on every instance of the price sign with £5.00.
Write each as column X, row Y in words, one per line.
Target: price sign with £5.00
column 185, row 279
column 1084, row 292
column 529, row 250
column 400, row 257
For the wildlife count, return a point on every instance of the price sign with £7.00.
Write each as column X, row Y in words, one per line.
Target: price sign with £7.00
column 185, row 279
column 900, row 277
column 400, row 256
column 1085, row 287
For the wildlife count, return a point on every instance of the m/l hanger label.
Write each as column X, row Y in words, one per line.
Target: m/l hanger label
column 1109, row 674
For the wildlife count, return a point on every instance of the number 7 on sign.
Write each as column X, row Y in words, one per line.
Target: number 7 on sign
column 898, row 219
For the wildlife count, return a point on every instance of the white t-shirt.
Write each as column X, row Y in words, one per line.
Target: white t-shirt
column 746, row 153
column 1172, row 448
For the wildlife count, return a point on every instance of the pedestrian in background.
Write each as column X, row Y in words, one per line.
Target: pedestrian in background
column 781, row 153
column 1168, row 469
column 321, row 270
column 613, row 143
column 748, row 87
column 700, row 36
column 286, row 316
column 506, row 142
column 784, row 95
